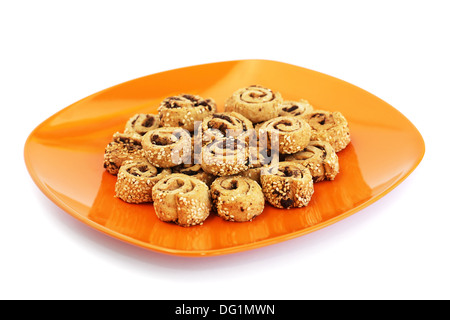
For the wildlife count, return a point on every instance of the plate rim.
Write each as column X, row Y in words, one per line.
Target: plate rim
column 210, row 252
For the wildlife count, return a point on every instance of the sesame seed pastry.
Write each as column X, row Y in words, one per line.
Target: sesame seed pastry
column 184, row 109
column 196, row 171
column 258, row 126
column 136, row 179
column 293, row 134
column 225, row 156
column 252, row 173
column 329, row 126
column 256, row 103
column 166, row 147
column 294, row 108
column 142, row 123
column 287, row 185
column 259, row 159
column 124, row 146
column 181, row 199
column 224, row 124
column 320, row 158
column 237, row 198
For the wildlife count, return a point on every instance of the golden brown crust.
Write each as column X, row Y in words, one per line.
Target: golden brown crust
column 256, row 103
column 142, row 123
column 181, row 199
column 331, row 127
column 136, row 179
column 320, row 158
column 237, row 198
column 287, row 185
column 293, row 134
column 167, row 147
column 123, row 147
column 184, row 109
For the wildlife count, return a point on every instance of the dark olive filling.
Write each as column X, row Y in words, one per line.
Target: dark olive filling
column 161, row 140
column 148, row 122
column 177, row 102
column 138, row 171
column 222, row 116
column 282, row 123
column 290, row 109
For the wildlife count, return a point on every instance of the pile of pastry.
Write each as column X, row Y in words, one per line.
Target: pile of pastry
column 190, row 160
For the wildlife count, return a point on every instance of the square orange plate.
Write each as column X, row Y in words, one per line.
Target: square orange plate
column 64, row 156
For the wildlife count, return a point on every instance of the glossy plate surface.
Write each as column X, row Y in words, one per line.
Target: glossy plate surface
column 64, row 156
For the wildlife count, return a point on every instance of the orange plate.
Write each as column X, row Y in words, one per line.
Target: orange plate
column 64, row 156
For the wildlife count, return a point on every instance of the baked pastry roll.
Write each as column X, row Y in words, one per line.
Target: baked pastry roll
column 331, row 127
column 166, row 147
column 185, row 109
column 237, row 198
column 259, row 158
column 136, row 179
column 292, row 134
column 123, row 147
column 287, row 185
column 181, row 199
column 196, row 171
column 320, row 158
column 294, row 108
column 220, row 125
column 256, row 103
column 225, row 156
column 252, row 173
column 142, row 123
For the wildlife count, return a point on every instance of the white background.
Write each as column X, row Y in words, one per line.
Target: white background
column 55, row 53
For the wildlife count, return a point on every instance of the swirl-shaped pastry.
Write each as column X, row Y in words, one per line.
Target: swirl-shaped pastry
column 185, row 109
column 136, row 179
column 287, row 185
column 237, row 198
column 220, row 125
column 181, row 199
column 256, row 103
column 196, row 171
column 123, row 147
column 294, row 108
column 320, row 158
column 142, row 123
column 329, row 126
column 293, row 134
column 259, row 159
column 225, row 156
column 166, row 147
